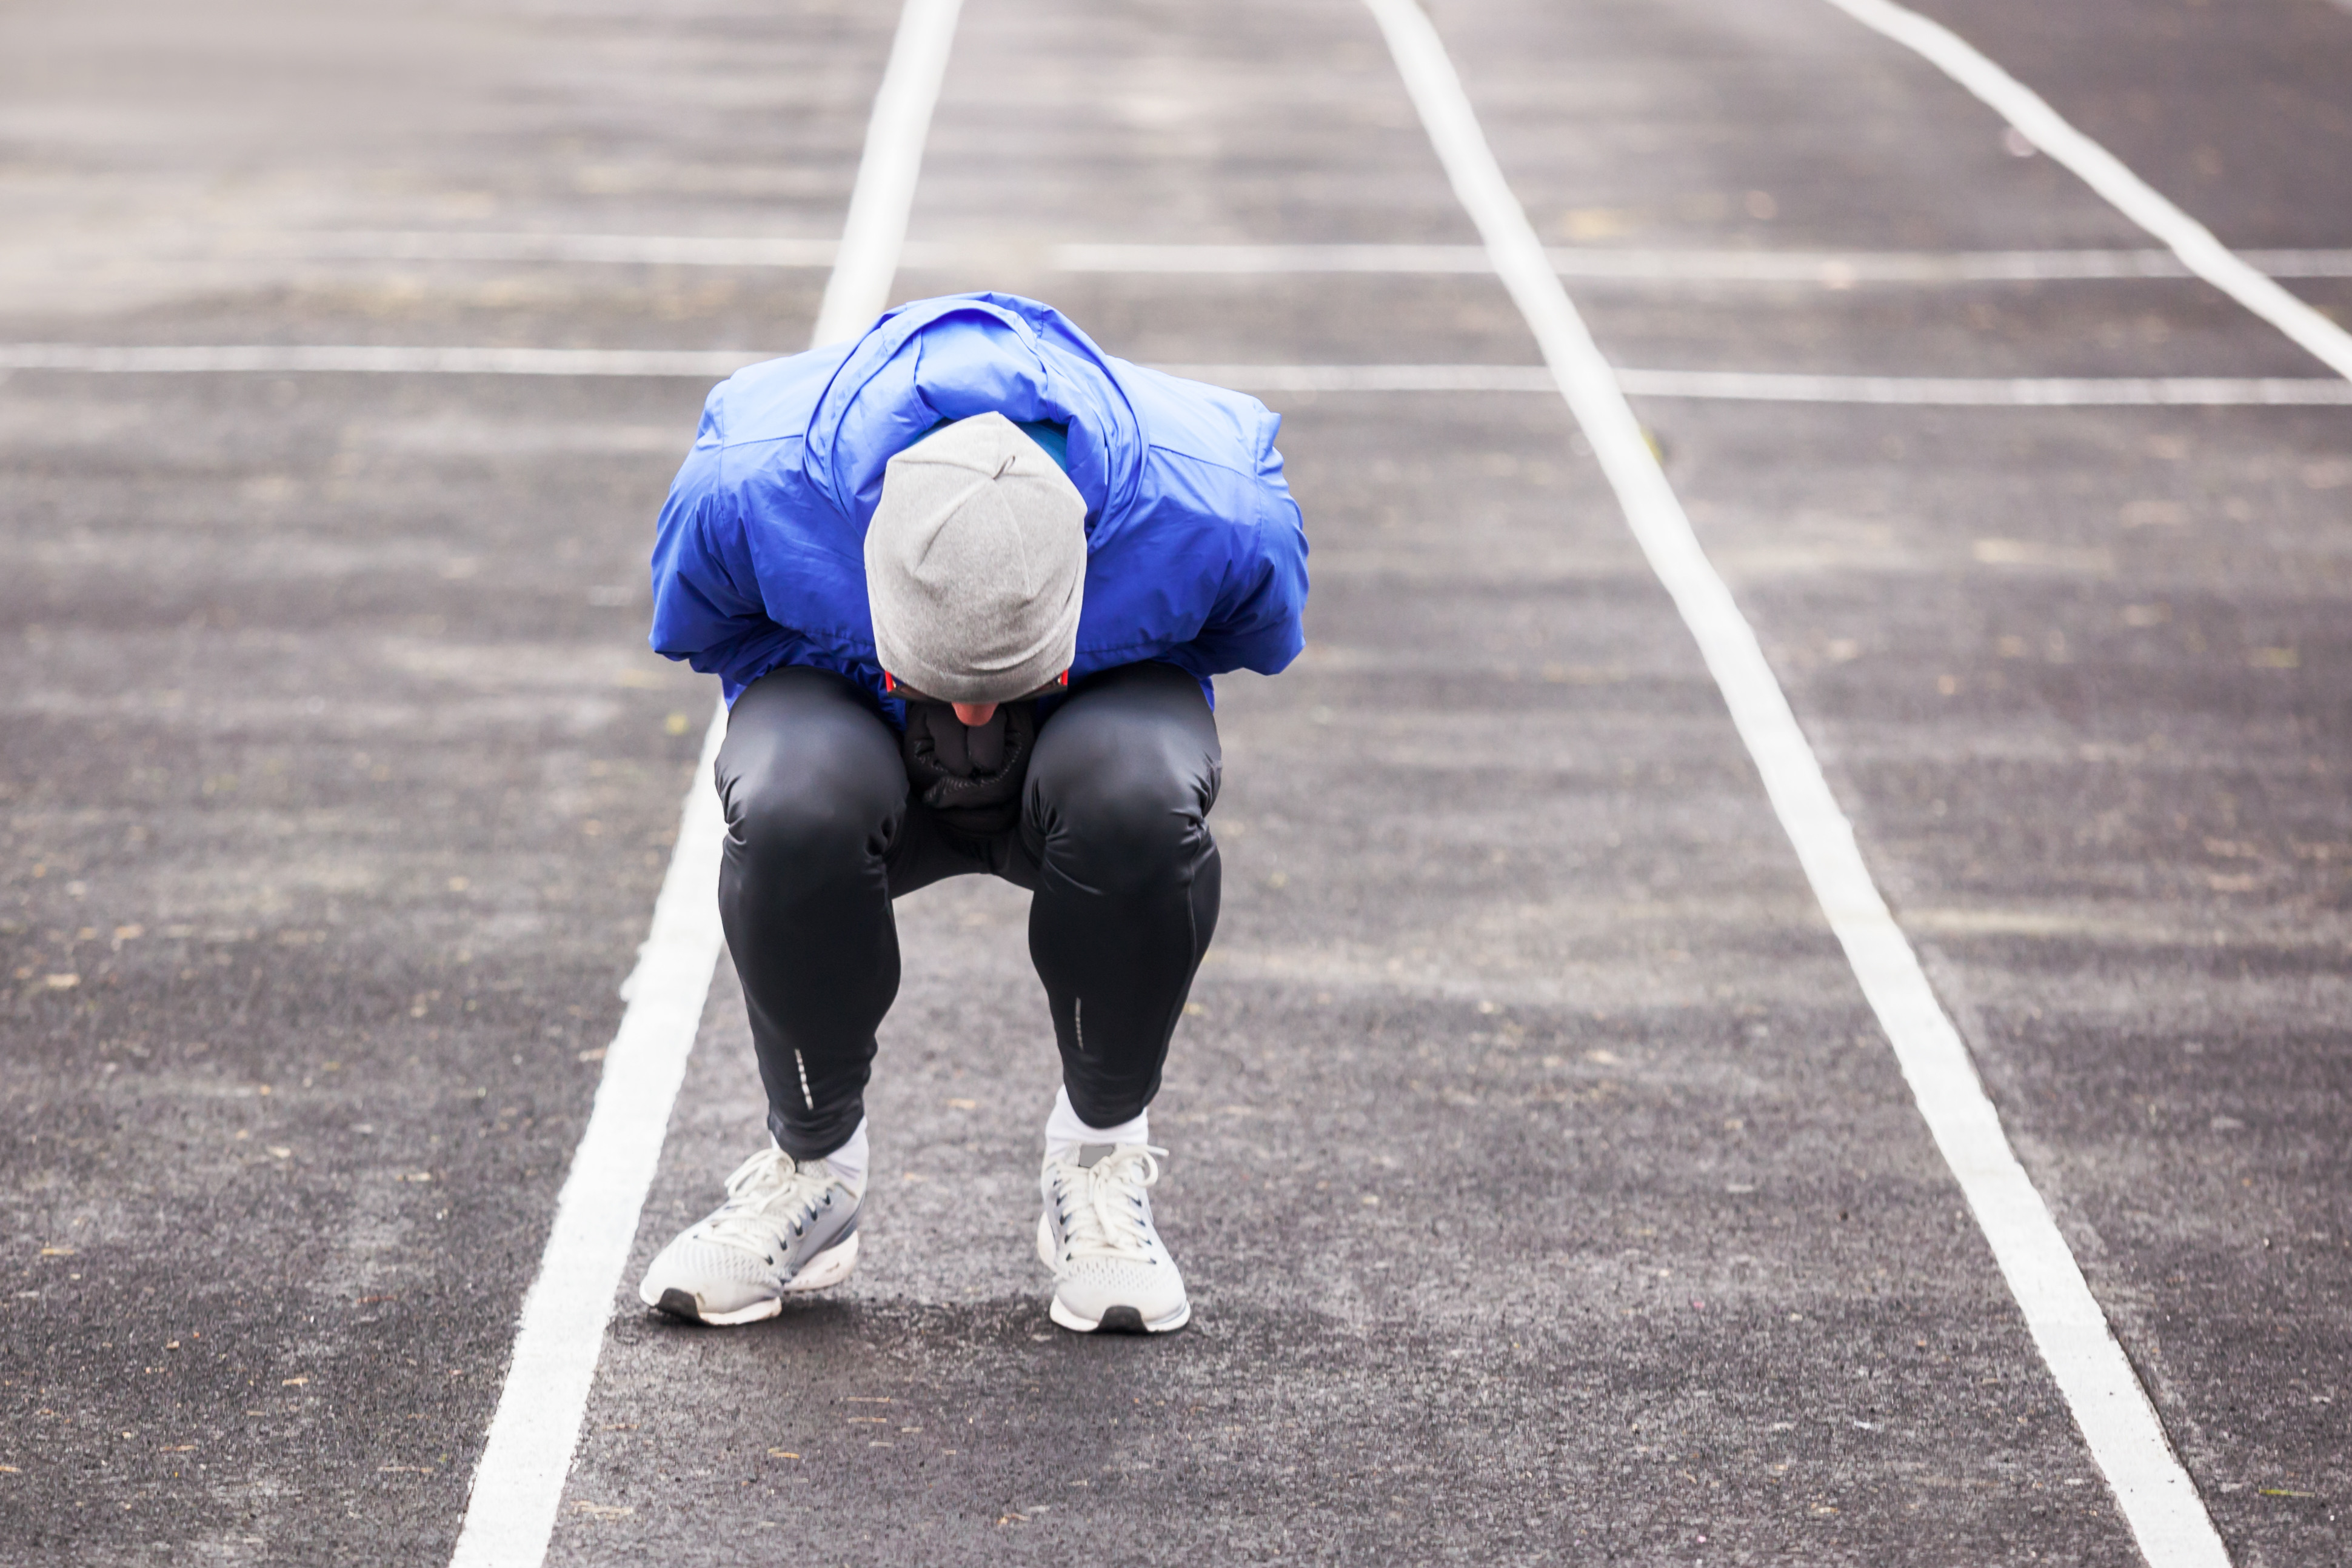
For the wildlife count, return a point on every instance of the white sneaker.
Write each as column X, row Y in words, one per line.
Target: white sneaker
column 1110, row 1268
column 787, row 1226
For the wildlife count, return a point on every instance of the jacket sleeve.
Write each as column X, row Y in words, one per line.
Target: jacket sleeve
column 1257, row 623
column 707, row 607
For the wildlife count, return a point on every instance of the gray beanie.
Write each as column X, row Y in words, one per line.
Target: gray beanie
column 975, row 564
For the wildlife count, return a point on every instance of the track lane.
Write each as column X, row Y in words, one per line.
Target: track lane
column 334, row 758
column 2047, row 657
column 1452, row 989
column 1883, row 554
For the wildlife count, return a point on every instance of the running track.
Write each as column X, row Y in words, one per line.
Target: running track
column 1578, row 1150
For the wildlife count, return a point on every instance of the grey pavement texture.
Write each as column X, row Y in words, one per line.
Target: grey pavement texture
column 1548, row 1190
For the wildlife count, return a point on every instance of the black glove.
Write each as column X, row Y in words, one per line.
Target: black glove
column 970, row 775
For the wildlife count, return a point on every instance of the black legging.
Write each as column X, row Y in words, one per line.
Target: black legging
column 1113, row 841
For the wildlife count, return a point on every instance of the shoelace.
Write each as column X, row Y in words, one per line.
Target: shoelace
column 1102, row 1214
column 748, row 1218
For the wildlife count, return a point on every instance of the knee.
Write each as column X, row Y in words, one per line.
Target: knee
column 806, row 817
column 1134, row 816
column 804, row 826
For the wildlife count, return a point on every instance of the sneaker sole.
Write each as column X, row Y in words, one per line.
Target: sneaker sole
column 827, row 1269
column 1115, row 1320
column 1119, row 1320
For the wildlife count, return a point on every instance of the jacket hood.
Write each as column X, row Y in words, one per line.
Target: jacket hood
column 998, row 354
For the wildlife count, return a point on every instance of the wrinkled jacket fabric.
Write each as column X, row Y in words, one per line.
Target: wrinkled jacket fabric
column 1195, row 554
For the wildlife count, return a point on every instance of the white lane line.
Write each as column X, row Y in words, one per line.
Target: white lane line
column 2118, row 1425
column 1762, row 386
column 461, row 244
column 366, row 359
column 1269, row 258
column 1837, row 269
column 2014, row 391
column 518, row 1485
column 1737, row 386
column 1844, row 268
column 875, row 232
column 1833, row 270
column 2133, row 198
column 1369, row 377
column 1828, row 269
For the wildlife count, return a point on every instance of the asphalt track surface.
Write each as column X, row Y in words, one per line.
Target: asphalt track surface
column 1547, row 1189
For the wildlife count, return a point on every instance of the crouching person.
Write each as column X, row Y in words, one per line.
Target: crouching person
column 965, row 582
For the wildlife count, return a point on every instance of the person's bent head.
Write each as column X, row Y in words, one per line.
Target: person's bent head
column 976, row 567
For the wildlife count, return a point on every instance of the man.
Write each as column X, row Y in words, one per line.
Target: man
column 965, row 582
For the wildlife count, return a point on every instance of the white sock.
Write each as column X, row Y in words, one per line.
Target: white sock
column 1065, row 1131
column 849, row 1162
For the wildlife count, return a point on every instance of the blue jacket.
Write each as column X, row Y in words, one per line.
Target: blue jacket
column 1195, row 555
